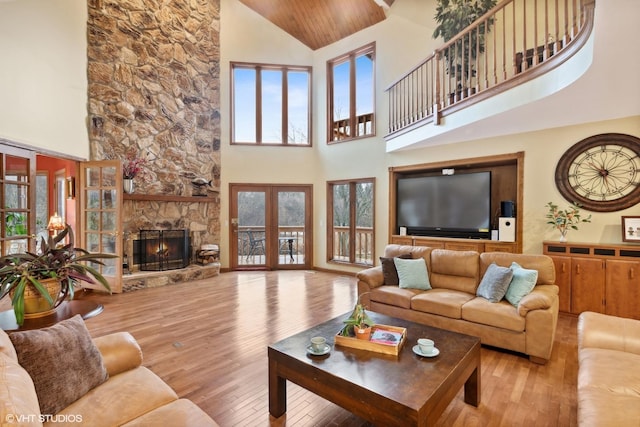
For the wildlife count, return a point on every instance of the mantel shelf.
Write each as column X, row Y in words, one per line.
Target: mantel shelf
column 167, row 198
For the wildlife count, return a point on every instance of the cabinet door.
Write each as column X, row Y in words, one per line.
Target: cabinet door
column 500, row 247
column 587, row 285
column 622, row 288
column 563, row 280
column 402, row 240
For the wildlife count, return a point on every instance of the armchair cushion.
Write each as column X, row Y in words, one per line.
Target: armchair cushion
column 63, row 362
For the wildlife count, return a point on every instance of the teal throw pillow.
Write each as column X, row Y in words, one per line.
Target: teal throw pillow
column 522, row 283
column 495, row 282
column 412, row 273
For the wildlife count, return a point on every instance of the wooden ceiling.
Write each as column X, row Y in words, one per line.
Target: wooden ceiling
column 318, row 23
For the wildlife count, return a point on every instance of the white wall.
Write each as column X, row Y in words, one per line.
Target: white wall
column 43, row 79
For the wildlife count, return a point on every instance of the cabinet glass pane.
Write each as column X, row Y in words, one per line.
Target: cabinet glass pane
column 93, row 199
column 92, row 177
column 108, row 199
column 108, row 221
column 108, row 177
column 15, row 196
column 93, row 221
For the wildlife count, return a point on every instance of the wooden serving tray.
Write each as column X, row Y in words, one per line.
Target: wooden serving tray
column 376, row 342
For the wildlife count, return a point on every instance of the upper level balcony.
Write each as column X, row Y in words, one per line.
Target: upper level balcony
column 542, row 64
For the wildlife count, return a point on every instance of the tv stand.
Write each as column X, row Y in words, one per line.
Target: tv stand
column 478, row 245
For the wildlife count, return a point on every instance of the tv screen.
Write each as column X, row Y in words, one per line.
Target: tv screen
column 445, row 205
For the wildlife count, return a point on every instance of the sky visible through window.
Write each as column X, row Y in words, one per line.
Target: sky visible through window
column 271, row 106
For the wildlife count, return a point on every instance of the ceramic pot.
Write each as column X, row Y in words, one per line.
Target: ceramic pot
column 363, row 333
column 128, row 185
column 35, row 305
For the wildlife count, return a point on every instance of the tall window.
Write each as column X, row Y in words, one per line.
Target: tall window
column 271, row 104
column 350, row 220
column 351, row 100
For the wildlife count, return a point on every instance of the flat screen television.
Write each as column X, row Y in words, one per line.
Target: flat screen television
column 456, row 205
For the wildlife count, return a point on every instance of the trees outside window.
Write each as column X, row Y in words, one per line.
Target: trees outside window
column 350, row 99
column 271, row 104
column 350, row 220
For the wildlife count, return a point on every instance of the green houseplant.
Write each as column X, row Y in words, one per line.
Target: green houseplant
column 358, row 323
column 453, row 16
column 57, row 263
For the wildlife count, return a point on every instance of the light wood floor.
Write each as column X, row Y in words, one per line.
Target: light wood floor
column 208, row 340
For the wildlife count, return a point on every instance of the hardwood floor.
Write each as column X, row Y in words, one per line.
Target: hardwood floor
column 208, row 339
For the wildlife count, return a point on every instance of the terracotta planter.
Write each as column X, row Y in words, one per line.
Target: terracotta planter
column 35, row 305
column 363, row 334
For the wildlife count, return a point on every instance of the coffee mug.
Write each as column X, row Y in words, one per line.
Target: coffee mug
column 426, row 345
column 318, row 344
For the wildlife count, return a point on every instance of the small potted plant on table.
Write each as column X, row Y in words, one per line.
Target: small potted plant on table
column 358, row 324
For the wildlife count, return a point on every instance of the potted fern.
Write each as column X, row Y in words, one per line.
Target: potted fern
column 39, row 282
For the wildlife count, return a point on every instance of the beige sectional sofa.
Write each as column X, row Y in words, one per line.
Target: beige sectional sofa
column 452, row 303
column 131, row 396
column 609, row 370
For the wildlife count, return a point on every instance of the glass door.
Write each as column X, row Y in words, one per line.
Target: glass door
column 17, row 193
column 100, row 217
column 270, row 226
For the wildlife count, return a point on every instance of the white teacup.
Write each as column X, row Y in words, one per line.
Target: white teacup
column 426, row 345
column 318, row 344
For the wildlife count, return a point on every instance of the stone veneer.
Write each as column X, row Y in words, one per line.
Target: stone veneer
column 153, row 74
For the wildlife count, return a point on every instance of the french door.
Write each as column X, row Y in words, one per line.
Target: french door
column 101, row 217
column 271, row 226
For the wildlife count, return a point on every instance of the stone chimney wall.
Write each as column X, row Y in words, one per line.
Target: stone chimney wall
column 153, row 71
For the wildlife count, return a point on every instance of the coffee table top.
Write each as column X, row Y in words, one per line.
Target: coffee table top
column 407, row 380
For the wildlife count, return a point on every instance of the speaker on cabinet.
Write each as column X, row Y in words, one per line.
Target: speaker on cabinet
column 507, row 209
column 507, row 229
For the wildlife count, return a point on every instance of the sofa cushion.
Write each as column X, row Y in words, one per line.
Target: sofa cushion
column 522, row 283
column 412, row 273
column 443, row 302
column 393, row 295
column 181, row 412
column 389, row 269
column 494, row 283
column 17, row 393
column 501, row 314
column 608, row 387
column 457, row 270
column 62, row 360
column 123, row 398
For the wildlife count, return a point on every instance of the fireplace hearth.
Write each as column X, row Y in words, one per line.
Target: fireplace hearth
column 160, row 250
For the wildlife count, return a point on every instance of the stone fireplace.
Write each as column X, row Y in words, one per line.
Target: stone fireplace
column 154, row 93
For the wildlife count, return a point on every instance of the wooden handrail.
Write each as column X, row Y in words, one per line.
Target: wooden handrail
column 521, row 39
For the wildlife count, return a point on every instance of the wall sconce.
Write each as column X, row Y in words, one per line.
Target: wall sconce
column 71, row 187
column 56, row 224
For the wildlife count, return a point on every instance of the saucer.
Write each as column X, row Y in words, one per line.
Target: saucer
column 434, row 353
column 327, row 349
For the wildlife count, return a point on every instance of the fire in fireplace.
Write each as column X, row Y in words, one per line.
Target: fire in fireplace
column 159, row 250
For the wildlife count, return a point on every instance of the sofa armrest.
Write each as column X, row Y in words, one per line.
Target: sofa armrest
column 608, row 332
column 372, row 278
column 540, row 298
column 120, row 352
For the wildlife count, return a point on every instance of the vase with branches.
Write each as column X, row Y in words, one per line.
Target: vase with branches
column 564, row 220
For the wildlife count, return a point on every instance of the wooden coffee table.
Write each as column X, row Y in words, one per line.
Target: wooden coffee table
column 403, row 390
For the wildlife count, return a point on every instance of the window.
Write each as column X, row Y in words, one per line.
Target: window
column 350, row 97
column 350, row 220
column 271, row 104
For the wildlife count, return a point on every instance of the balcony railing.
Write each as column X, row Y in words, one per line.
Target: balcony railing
column 363, row 125
column 363, row 250
column 512, row 43
column 252, row 247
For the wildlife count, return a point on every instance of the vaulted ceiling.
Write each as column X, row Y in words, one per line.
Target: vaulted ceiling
column 318, row 23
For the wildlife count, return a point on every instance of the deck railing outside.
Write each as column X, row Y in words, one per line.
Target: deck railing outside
column 509, row 42
column 252, row 245
column 363, row 244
